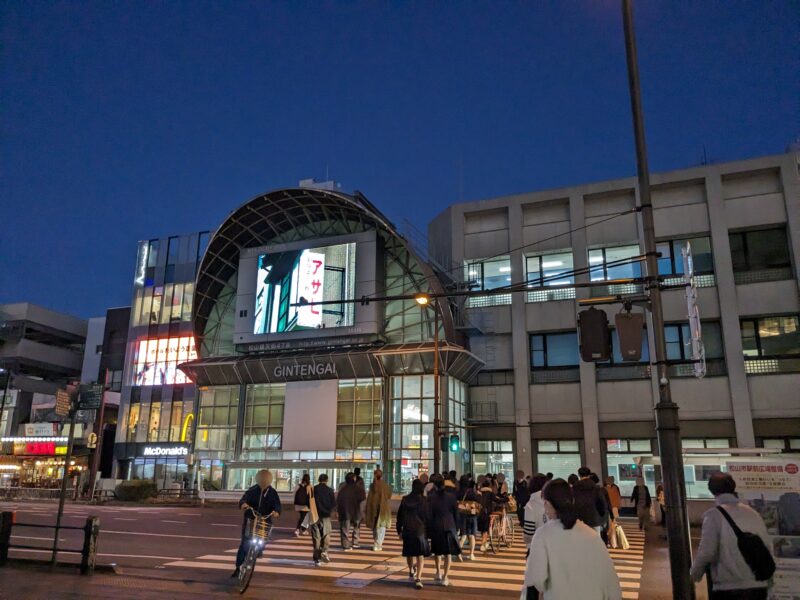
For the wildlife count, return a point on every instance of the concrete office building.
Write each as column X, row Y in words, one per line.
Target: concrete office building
column 157, row 401
column 40, row 351
column 536, row 406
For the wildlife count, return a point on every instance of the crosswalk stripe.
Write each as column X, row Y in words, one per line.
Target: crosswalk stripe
column 503, row 571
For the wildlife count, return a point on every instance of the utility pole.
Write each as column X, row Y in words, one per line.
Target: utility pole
column 666, row 411
column 437, row 403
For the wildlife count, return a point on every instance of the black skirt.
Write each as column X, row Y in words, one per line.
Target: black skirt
column 444, row 543
column 416, row 545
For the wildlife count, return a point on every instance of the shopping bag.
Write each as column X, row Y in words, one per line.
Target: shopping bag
column 622, row 539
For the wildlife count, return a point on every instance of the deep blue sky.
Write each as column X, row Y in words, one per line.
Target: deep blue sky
column 130, row 120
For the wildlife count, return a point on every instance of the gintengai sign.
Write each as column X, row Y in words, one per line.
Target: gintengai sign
column 312, row 370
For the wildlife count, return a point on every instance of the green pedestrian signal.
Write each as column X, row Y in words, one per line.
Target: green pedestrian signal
column 455, row 443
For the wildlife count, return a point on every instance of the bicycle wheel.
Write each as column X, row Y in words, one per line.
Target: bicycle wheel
column 247, row 568
column 509, row 531
column 494, row 535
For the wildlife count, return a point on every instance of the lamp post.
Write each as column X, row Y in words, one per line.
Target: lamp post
column 666, row 411
column 425, row 301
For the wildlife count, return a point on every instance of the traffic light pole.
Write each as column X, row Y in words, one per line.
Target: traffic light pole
column 666, row 411
column 437, row 421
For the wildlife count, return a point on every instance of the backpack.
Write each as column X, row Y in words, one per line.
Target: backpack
column 753, row 550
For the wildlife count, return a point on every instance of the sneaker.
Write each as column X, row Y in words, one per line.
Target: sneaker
column 235, row 573
column 316, row 563
column 356, row 546
column 483, row 547
column 348, row 549
column 471, row 557
column 325, row 558
column 411, row 575
column 437, row 578
column 378, row 548
column 296, row 533
column 445, row 582
column 418, row 584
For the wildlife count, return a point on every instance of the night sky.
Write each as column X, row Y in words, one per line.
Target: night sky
column 129, row 120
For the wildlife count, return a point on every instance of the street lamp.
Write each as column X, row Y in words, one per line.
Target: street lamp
column 425, row 301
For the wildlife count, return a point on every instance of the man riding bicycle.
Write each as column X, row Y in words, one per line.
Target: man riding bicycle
column 263, row 499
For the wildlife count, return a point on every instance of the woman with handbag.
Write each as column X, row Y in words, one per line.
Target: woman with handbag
column 469, row 507
column 302, row 498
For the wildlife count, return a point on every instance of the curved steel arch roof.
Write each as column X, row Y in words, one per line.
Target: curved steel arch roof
column 286, row 215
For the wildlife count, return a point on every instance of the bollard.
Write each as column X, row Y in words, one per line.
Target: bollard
column 89, row 553
column 7, row 519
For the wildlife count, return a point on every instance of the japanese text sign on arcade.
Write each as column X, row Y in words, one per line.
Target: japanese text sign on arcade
column 311, row 284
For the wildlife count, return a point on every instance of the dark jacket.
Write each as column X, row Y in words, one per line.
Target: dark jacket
column 325, row 500
column 263, row 503
column 348, row 504
column 521, row 493
column 635, row 496
column 412, row 516
column 443, row 511
column 590, row 502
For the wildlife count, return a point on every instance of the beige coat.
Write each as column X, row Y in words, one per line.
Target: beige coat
column 379, row 514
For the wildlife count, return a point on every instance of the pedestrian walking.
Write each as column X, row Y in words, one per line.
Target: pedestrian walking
column 738, row 571
column 490, row 502
column 302, row 499
column 324, row 501
column 263, row 499
column 502, row 485
column 469, row 509
column 640, row 498
column 590, row 502
column 412, row 518
column 522, row 494
column 662, row 501
column 567, row 559
column 378, row 512
column 348, row 505
column 614, row 501
column 442, row 529
column 533, row 511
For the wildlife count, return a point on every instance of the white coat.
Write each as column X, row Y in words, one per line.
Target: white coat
column 566, row 564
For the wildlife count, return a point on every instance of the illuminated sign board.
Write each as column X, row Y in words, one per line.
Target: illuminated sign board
column 287, row 280
column 39, row 447
column 141, row 264
column 302, row 371
column 156, row 360
column 165, row 451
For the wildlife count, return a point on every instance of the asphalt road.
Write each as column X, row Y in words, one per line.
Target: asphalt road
column 188, row 551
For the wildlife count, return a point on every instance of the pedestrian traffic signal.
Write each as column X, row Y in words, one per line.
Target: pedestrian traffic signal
column 455, row 443
column 630, row 332
column 595, row 337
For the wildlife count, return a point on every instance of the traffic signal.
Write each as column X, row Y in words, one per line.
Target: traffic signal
column 595, row 337
column 455, row 443
column 630, row 332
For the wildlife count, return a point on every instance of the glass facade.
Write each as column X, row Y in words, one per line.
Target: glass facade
column 412, row 428
column 359, row 413
column 216, row 421
column 263, row 420
column 562, row 458
column 620, row 461
column 493, row 457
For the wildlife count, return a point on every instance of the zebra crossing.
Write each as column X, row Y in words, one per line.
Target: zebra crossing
column 289, row 556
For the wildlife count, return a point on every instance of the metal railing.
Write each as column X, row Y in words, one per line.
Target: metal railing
column 550, row 295
column 622, row 372
column 500, row 377
column 772, row 366
column 88, row 551
column 487, row 301
column 762, row 275
column 556, row 375
column 28, row 493
column 714, row 368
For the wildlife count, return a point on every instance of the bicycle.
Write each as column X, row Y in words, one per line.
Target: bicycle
column 501, row 531
column 260, row 531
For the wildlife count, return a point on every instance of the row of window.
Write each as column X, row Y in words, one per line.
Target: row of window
column 750, row 251
column 762, row 337
column 162, row 304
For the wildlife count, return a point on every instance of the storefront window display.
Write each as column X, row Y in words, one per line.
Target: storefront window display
column 620, row 455
column 166, row 472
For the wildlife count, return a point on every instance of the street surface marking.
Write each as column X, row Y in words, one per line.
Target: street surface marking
column 175, row 535
column 179, row 522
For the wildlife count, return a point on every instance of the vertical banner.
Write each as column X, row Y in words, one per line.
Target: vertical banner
column 771, row 486
column 311, row 285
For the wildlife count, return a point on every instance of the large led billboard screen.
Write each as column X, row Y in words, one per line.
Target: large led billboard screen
column 291, row 278
column 156, row 360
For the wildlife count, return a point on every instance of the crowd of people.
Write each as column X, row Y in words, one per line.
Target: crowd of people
column 568, row 526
